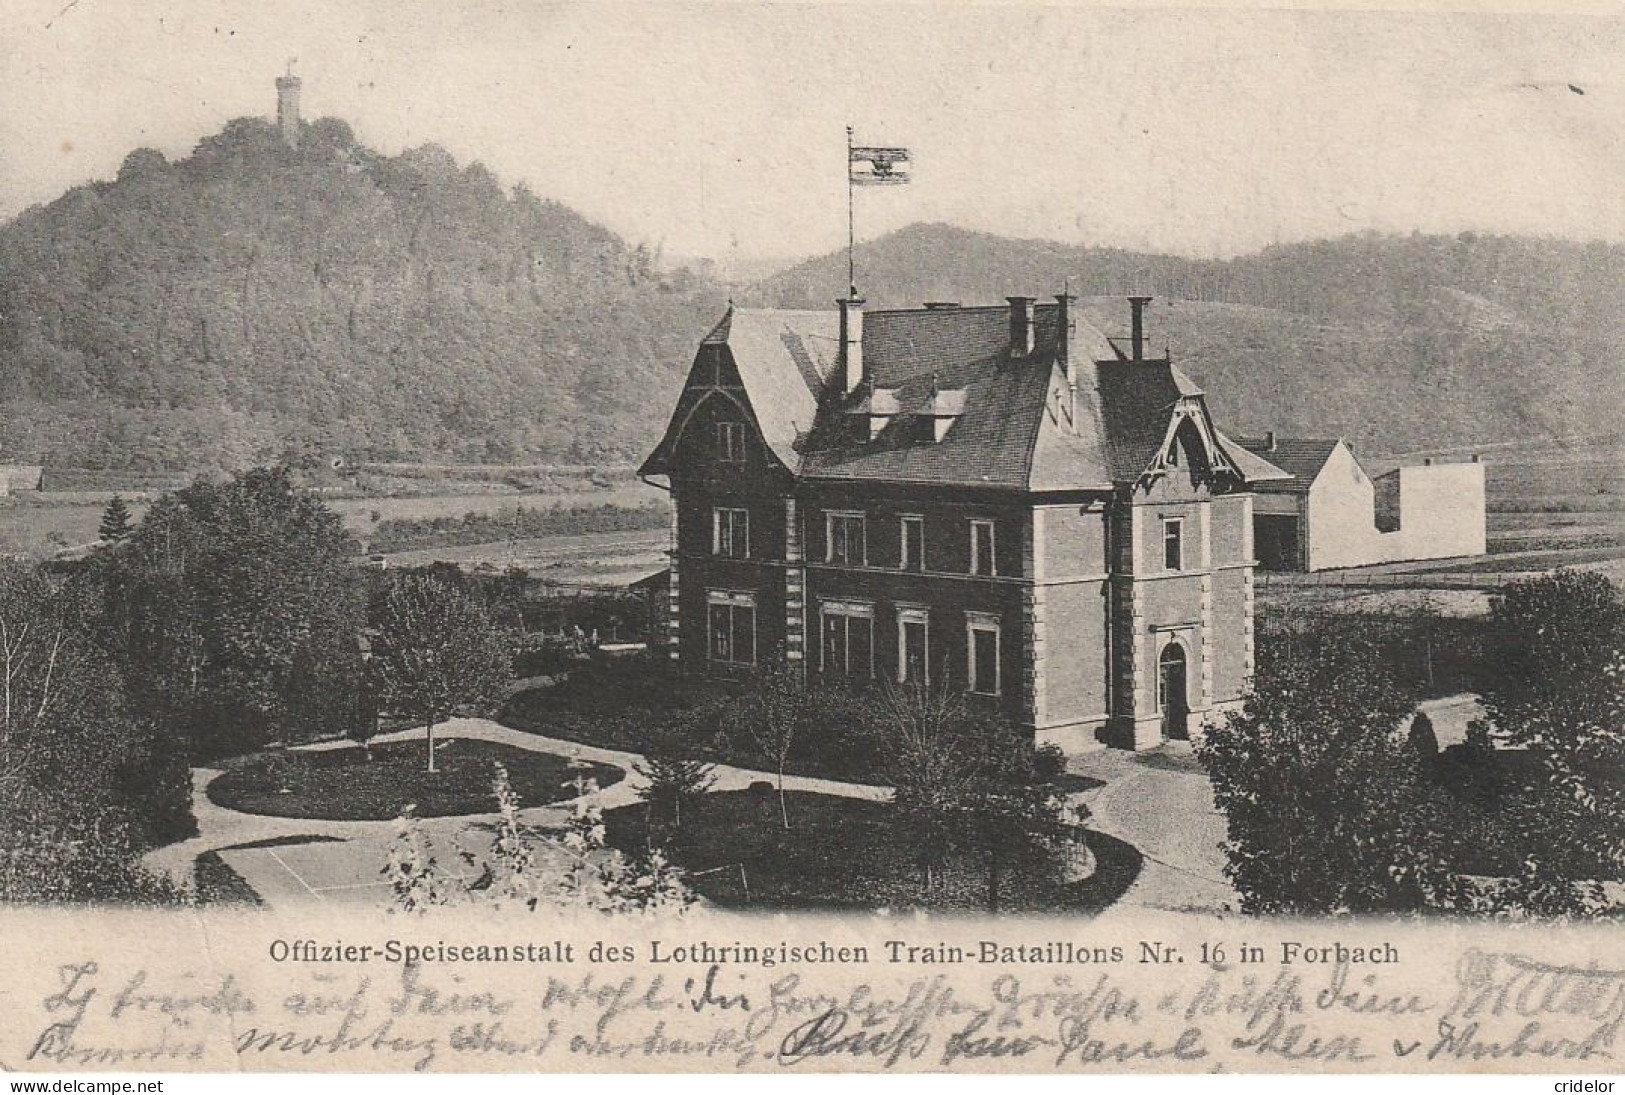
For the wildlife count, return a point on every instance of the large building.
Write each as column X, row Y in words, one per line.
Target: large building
column 997, row 498
column 1330, row 513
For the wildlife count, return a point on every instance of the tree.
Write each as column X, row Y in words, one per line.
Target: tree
column 1010, row 810
column 964, row 782
column 673, row 770
column 1423, row 739
column 1558, row 691
column 235, row 610
column 438, row 652
column 925, row 734
column 1328, row 809
column 770, row 715
column 116, row 524
column 85, row 786
column 142, row 163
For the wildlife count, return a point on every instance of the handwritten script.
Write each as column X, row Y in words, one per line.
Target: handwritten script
column 1487, row 1006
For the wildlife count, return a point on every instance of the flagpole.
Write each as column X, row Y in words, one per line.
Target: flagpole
column 851, row 235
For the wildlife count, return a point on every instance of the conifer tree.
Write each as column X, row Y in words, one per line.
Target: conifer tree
column 116, row 523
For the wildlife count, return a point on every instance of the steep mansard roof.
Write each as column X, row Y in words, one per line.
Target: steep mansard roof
column 1015, row 425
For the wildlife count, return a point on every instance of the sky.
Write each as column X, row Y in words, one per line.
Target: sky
column 718, row 130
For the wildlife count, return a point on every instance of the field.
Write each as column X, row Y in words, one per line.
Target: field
column 38, row 525
column 598, row 558
column 1551, row 504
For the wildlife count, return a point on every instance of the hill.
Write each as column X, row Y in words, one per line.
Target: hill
column 1397, row 342
column 251, row 302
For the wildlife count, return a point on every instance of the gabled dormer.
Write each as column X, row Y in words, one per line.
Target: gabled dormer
column 751, row 392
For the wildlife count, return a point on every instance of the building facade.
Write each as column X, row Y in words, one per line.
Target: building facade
column 1000, row 500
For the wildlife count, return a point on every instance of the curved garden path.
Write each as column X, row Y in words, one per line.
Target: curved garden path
column 1159, row 802
column 300, row 859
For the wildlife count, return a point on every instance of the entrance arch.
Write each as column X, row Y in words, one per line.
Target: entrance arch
column 1173, row 696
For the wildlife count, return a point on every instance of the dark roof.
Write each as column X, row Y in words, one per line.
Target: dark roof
column 782, row 359
column 1300, row 457
column 925, row 356
column 1017, row 428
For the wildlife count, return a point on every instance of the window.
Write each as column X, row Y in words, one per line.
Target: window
column 849, row 634
column 981, row 549
column 913, row 646
column 983, row 646
column 911, row 551
column 730, row 533
column 733, row 627
column 731, row 442
column 845, row 539
column 1173, row 546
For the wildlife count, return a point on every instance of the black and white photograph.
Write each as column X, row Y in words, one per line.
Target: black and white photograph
column 871, row 498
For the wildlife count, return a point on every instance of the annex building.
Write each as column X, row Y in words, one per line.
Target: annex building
column 1000, row 499
column 1330, row 512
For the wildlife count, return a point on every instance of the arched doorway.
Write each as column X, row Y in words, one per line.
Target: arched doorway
column 1172, row 697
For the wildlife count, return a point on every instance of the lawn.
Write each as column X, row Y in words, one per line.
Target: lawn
column 617, row 705
column 343, row 785
column 842, row 853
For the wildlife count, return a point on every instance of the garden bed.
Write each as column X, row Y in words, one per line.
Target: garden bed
column 344, row 785
column 845, row 853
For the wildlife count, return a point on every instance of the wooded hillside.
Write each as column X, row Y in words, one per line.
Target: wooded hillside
column 1397, row 342
column 249, row 303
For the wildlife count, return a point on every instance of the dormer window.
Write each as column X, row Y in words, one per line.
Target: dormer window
column 873, row 413
column 942, row 410
column 731, row 442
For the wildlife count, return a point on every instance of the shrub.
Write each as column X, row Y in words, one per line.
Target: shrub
column 529, row 869
column 676, row 773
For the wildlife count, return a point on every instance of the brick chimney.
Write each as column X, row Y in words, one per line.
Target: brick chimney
column 851, row 343
column 1066, row 333
column 1021, row 326
column 1269, row 440
column 1137, row 331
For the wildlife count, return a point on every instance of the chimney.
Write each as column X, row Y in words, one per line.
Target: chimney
column 1137, row 332
column 1021, row 326
column 1269, row 440
column 851, row 343
column 1066, row 332
column 1478, row 458
column 287, row 108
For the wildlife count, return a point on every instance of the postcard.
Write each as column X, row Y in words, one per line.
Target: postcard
column 811, row 538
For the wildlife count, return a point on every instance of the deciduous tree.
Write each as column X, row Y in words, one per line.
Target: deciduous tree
column 770, row 716
column 1558, row 691
column 84, row 785
column 437, row 651
column 1327, row 806
column 236, row 610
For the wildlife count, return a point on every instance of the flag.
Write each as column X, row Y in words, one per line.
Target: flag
column 872, row 166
